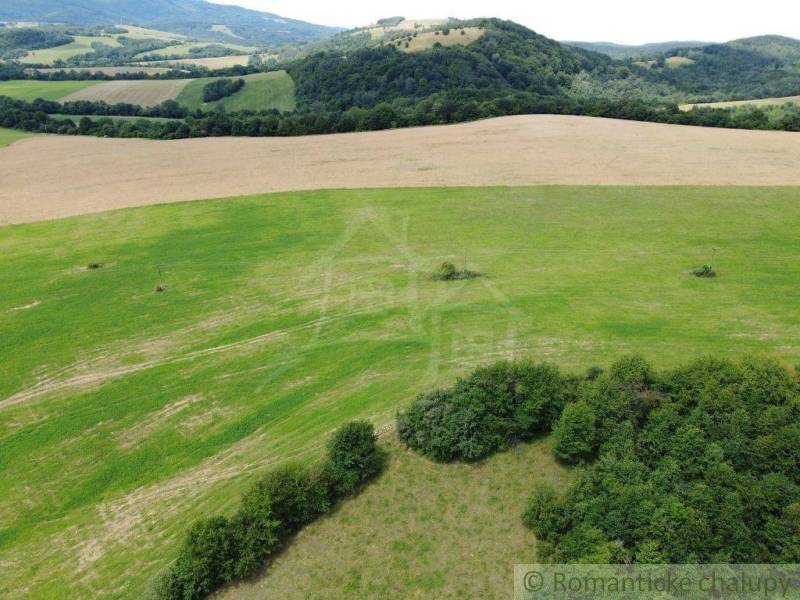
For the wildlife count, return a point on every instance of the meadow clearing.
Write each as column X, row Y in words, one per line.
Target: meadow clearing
column 264, row 90
column 524, row 150
column 131, row 412
column 142, row 92
column 427, row 40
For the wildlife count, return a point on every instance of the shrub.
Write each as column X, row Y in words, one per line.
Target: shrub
column 545, row 513
column 448, row 272
column 353, row 457
column 705, row 271
column 574, row 434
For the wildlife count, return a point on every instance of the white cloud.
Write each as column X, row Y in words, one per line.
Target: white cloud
column 621, row 21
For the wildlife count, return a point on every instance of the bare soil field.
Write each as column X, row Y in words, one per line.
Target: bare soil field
column 142, row 92
column 48, row 177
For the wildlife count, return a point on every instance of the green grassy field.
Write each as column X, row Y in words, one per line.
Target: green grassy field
column 125, row 413
column 262, row 91
column 30, row 90
column 82, row 44
column 9, row 136
column 184, row 50
column 422, row 530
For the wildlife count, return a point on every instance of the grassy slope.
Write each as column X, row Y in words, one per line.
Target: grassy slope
column 81, row 45
column 9, row 136
column 261, row 92
column 423, row 530
column 289, row 314
column 30, row 90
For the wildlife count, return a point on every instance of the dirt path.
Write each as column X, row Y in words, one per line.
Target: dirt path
column 50, row 177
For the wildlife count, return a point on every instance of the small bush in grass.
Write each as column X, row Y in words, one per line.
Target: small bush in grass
column 448, row 272
column 95, row 265
column 705, row 271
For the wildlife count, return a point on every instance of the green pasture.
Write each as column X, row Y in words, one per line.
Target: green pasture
column 9, row 136
column 262, row 91
column 30, row 89
column 126, row 412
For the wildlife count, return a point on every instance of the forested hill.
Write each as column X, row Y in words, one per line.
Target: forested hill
column 487, row 58
column 760, row 67
column 506, row 57
column 190, row 17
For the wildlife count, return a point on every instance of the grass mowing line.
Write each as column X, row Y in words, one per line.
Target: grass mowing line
column 30, row 90
column 325, row 306
column 262, row 91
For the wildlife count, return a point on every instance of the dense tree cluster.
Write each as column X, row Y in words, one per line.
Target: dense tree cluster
column 221, row 88
column 220, row 549
column 728, row 72
column 487, row 411
column 698, row 464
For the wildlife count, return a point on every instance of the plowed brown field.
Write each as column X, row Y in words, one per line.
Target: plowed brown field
column 50, row 177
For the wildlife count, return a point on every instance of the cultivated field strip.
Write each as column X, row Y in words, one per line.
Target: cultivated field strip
column 142, row 92
column 86, row 174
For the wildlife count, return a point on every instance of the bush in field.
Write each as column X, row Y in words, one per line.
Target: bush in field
column 489, row 410
column 221, row 88
column 448, row 272
column 353, row 457
column 219, row 550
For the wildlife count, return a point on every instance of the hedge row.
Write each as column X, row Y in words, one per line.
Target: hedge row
column 219, row 549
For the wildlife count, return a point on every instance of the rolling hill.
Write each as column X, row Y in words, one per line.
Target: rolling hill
column 623, row 51
column 190, row 17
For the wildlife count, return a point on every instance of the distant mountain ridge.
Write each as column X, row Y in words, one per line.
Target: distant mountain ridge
column 623, row 51
column 190, row 17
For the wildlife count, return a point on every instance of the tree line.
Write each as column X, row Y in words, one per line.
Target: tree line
column 439, row 109
column 218, row 550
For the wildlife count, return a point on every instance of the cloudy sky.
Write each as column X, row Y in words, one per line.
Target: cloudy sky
column 621, row 21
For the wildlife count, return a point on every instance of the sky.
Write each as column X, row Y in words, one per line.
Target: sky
column 620, row 21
